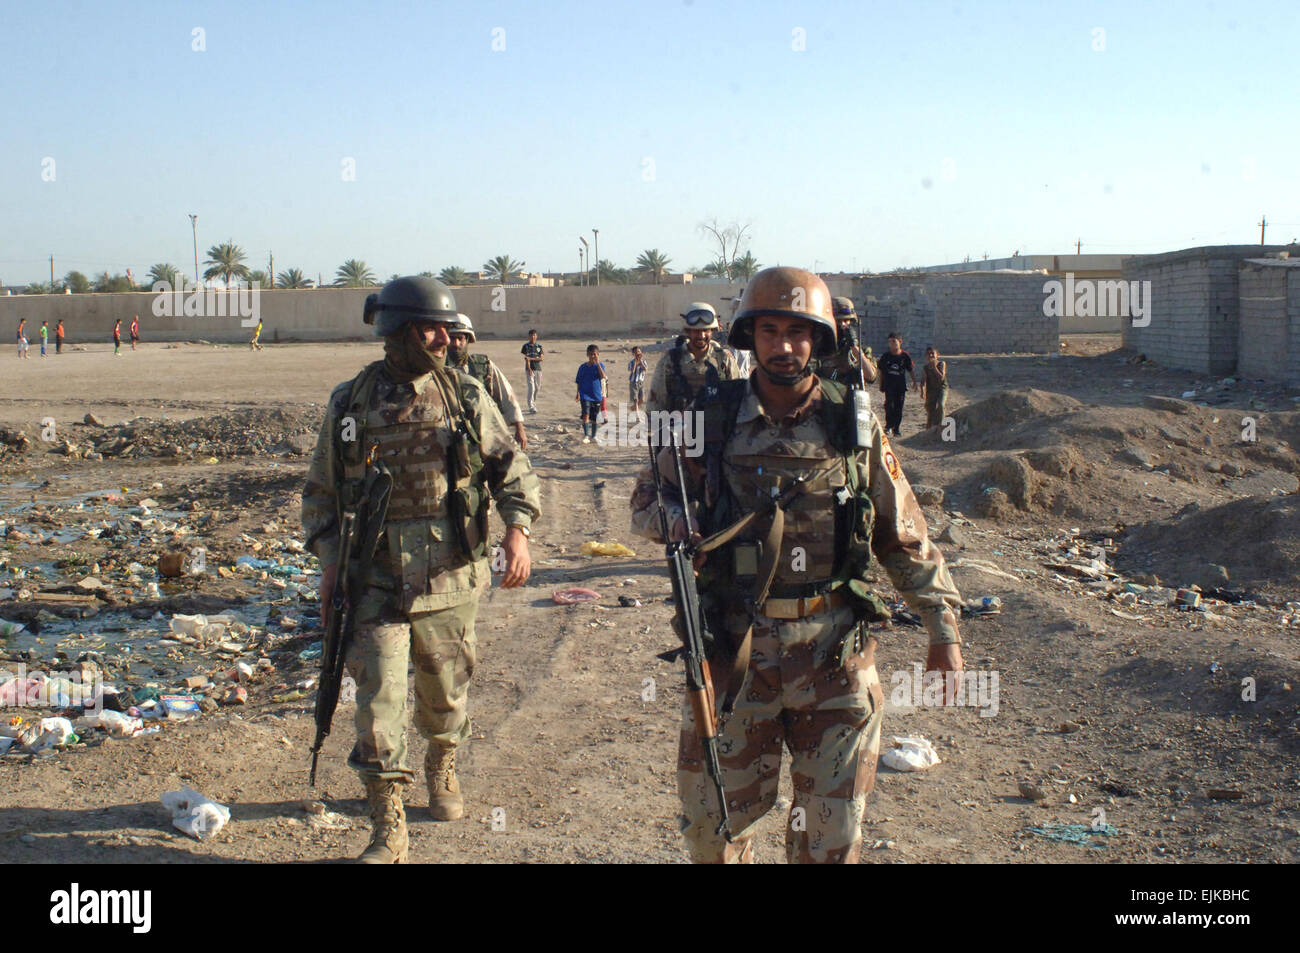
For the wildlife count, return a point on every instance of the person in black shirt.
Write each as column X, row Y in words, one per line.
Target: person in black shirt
column 532, row 352
column 893, row 365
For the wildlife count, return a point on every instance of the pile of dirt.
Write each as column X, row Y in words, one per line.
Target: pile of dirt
column 1050, row 453
column 233, row 433
column 1256, row 539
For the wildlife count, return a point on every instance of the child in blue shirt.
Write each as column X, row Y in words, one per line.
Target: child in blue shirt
column 591, row 391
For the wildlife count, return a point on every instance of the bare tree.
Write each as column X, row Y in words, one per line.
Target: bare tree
column 728, row 239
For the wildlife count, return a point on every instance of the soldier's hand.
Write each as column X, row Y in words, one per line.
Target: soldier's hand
column 518, row 562
column 328, row 577
column 521, row 438
column 943, row 659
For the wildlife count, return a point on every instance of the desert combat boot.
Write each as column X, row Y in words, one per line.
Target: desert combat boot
column 445, row 802
column 388, row 843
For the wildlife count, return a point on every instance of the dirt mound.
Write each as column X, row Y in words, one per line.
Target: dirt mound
column 1050, row 480
column 1257, row 540
column 233, row 433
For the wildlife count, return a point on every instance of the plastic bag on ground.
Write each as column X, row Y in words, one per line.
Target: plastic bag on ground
column 115, row 723
column 594, row 548
column 910, row 754
column 194, row 814
column 48, row 733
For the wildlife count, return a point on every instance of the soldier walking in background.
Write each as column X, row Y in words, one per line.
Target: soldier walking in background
column 485, row 370
column 449, row 453
column 694, row 360
column 795, row 495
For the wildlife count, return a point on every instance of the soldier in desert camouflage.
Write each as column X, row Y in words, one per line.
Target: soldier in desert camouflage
column 785, row 594
column 450, row 453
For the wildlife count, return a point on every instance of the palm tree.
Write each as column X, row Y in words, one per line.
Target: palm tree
column 354, row 274
column 104, row 282
column 38, row 288
column 452, row 275
column 258, row 278
column 502, row 267
column 654, row 263
column 745, row 267
column 162, row 272
column 716, row 269
column 611, row 274
column 226, row 261
column 292, row 278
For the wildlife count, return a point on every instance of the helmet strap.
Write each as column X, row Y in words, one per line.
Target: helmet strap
column 786, row 380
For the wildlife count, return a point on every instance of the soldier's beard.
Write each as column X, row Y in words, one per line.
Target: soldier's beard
column 406, row 357
column 786, row 380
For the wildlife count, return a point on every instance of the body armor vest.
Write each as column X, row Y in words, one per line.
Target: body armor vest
column 480, row 366
column 430, row 450
column 685, row 377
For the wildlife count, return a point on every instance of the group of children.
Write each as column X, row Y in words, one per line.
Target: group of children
column 45, row 337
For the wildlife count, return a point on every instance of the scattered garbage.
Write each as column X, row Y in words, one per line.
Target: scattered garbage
column 47, row 733
column 1187, row 599
column 115, row 723
column 194, row 814
column 988, row 605
column 627, row 602
column 8, row 629
column 574, row 595
column 910, row 754
column 180, row 707
column 593, row 548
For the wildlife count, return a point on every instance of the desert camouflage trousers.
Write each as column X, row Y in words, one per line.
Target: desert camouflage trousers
column 441, row 648
column 829, row 716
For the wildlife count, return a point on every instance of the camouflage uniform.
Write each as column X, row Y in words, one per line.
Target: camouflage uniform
column 839, row 367
column 694, row 373
column 484, row 369
column 422, row 591
column 803, row 686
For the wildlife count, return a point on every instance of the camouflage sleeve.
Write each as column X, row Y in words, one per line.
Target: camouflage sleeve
column 728, row 367
column 868, row 367
column 319, row 496
column 657, row 396
column 504, row 396
column 902, row 544
column 510, row 476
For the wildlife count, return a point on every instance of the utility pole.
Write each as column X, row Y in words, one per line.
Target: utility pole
column 586, row 280
column 596, row 233
column 1262, row 222
column 52, row 272
column 270, row 277
column 579, row 264
column 194, row 227
column 1078, row 246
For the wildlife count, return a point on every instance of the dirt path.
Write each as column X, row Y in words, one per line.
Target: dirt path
column 1137, row 717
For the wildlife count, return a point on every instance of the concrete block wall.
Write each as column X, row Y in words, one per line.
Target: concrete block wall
column 1195, row 306
column 974, row 313
column 1293, row 314
column 1264, row 327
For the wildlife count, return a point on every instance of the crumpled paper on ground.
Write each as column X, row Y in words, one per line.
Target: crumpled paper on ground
column 194, row 814
column 910, row 754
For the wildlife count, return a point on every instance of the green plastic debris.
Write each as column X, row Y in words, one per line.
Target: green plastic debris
column 1075, row 834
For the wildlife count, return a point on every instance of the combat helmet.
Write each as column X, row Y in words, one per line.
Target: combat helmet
column 786, row 293
column 700, row 316
column 463, row 326
column 844, row 309
column 404, row 299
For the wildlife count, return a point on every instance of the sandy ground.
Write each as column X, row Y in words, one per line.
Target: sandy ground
column 1140, row 718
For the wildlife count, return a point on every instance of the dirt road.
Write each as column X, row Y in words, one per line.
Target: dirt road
column 1137, row 715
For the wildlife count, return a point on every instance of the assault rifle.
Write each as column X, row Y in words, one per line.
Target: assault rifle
column 694, row 629
column 359, row 530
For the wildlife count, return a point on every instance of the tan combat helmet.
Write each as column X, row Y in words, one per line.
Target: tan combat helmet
column 786, row 293
column 463, row 325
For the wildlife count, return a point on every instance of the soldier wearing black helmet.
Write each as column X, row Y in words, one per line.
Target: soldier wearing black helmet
column 797, row 492
column 450, row 455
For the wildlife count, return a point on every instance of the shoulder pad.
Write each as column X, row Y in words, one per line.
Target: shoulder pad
column 833, row 391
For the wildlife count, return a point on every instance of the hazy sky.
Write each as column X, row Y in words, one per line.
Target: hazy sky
column 899, row 134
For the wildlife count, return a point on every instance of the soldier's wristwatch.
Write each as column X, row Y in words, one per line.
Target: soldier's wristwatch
column 523, row 529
